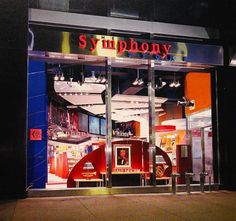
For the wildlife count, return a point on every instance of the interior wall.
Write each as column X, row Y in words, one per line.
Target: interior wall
column 198, row 88
column 172, row 111
column 13, row 88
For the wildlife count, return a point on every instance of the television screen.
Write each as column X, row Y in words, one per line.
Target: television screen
column 83, row 122
column 103, row 126
column 93, row 125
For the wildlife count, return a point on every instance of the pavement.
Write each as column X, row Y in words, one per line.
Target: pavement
column 208, row 206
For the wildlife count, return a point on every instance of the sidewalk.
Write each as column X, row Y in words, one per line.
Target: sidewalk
column 209, row 206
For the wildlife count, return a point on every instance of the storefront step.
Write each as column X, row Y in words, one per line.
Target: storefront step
column 115, row 190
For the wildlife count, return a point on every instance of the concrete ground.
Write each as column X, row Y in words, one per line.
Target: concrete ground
column 208, row 206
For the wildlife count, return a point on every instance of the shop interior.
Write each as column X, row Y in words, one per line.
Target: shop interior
column 77, row 120
column 76, row 131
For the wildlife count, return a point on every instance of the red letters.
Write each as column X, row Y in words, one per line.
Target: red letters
column 131, row 46
column 108, row 44
column 93, row 44
column 82, row 41
column 122, row 45
column 144, row 47
column 165, row 50
column 155, row 49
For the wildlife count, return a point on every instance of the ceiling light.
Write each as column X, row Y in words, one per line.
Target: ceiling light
column 163, row 83
column 62, row 78
column 172, row 84
column 135, row 81
column 56, row 78
column 160, row 84
column 177, row 84
column 98, row 80
column 140, row 81
column 103, row 80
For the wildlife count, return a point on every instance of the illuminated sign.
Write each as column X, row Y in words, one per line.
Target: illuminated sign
column 69, row 44
column 120, row 46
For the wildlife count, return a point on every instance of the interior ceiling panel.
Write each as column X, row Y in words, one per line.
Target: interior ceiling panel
column 125, row 107
column 130, row 112
column 136, row 98
column 74, row 87
column 83, row 99
column 120, row 118
column 130, row 105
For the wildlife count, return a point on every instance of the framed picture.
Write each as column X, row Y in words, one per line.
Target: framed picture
column 122, row 155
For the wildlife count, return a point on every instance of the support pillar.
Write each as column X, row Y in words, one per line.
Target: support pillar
column 152, row 118
column 108, row 149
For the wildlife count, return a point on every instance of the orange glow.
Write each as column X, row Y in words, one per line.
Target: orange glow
column 198, row 88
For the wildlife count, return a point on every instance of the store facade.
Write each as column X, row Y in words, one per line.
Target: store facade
column 16, row 61
column 86, row 135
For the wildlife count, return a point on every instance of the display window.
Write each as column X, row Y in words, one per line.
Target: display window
column 100, row 116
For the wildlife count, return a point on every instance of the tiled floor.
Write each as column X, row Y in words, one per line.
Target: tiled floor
column 214, row 206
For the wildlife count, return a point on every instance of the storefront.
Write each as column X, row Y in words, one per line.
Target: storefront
column 119, row 111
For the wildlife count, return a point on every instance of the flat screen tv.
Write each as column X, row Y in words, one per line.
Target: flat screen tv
column 103, row 126
column 83, row 122
column 93, row 125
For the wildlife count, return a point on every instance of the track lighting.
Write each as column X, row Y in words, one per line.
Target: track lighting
column 174, row 83
column 62, row 78
column 70, row 82
column 56, row 78
column 59, row 74
column 138, row 81
column 160, row 84
column 98, row 80
column 135, row 81
column 103, row 80
column 177, row 84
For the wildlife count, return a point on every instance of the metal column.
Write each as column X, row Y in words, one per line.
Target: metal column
column 108, row 125
column 203, row 148
column 151, row 107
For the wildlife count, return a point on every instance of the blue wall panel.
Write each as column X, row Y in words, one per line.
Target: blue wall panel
column 37, row 118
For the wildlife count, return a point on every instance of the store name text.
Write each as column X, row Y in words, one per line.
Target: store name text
column 129, row 45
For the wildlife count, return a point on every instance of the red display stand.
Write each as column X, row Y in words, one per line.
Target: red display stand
column 92, row 167
column 183, row 161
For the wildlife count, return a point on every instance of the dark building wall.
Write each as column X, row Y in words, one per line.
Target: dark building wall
column 13, row 90
column 226, row 80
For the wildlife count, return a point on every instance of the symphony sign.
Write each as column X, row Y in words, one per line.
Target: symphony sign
column 121, row 46
column 43, row 41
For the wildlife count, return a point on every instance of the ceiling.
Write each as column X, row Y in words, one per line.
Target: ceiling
column 127, row 100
